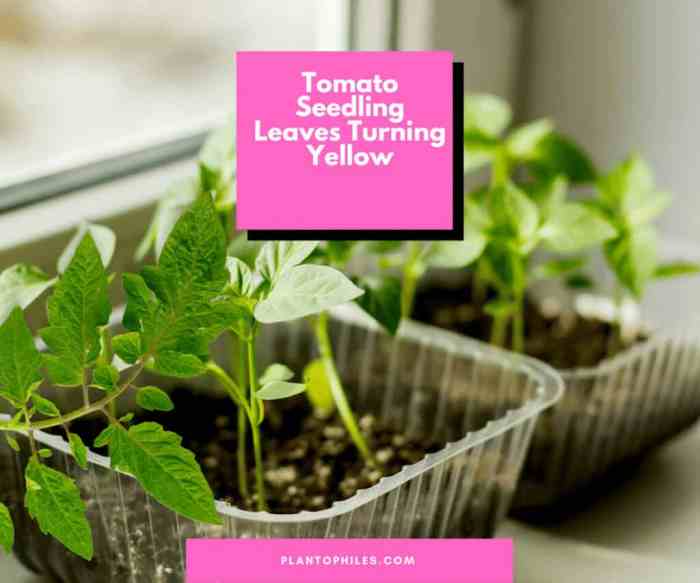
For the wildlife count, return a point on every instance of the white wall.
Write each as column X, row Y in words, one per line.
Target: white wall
column 484, row 34
column 622, row 75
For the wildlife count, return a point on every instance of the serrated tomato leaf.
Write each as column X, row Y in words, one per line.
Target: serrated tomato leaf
column 7, row 529
column 53, row 500
column 153, row 399
column 79, row 449
column 20, row 361
column 78, row 307
column 20, row 285
column 165, row 469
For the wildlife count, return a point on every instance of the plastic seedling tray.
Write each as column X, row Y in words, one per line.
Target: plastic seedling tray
column 482, row 402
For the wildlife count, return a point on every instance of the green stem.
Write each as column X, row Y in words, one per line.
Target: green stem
column 94, row 407
column 336, row 385
column 229, row 384
column 478, row 284
column 499, row 328
column 242, row 423
column 255, row 428
column 106, row 358
column 500, row 170
column 519, row 326
column 410, row 280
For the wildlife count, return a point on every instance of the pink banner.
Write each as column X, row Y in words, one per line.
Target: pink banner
column 349, row 561
column 316, row 151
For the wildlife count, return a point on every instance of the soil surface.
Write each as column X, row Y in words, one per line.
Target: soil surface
column 309, row 463
column 564, row 341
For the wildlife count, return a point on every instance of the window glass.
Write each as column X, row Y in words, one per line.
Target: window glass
column 82, row 78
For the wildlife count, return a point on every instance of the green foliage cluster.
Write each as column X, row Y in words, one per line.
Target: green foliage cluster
column 176, row 308
column 527, row 206
column 206, row 280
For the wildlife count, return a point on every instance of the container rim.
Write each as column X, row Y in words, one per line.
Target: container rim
column 549, row 390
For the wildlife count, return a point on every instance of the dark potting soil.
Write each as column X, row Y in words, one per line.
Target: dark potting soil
column 565, row 341
column 309, row 463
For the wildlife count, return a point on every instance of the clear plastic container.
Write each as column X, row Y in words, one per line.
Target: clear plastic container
column 609, row 415
column 481, row 401
column 614, row 413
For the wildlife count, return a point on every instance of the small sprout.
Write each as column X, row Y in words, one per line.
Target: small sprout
column 318, row 389
column 153, row 399
column 276, row 372
column 105, row 377
column 12, row 442
column 275, row 390
column 79, row 449
column 45, row 406
column 128, row 418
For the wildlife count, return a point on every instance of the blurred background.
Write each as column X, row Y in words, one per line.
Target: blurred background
column 83, row 79
column 99, row 100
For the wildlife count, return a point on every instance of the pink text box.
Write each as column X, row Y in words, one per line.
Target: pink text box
column 279, row 189
column 349, row 560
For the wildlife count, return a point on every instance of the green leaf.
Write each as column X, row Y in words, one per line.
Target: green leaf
column 240, row 277
column 128, row 418
column 79, row 449
column 382, row 247
column 45, row 453
column 243, row 249
column 53, row 500
column 78, row 307
column 235, row 315
column 549, row 195
column 513, row 214
column 20, row 361
column 154, row 399
column 177, row 314
column 278, row 256
column 318, row 389
column 216, row 158
column 306, row 290
column 103, row 238
column 558, row 267
column 479, row 150
column 629, row 191
column 104, row 437
column 556, row 154
column 633, row 258
column 486, row 114
column 165, row 469
column 276, row 372
column 340, row 252
column 676, row 269
column 642, row 207
column 105, row 377
column 171, row 207
column 455, row 254
column 279, row 390
column 127, row 347
column 574, row 226
column 45, row 406
column 177, row 364
column 504, row 267
column 381, row 300
column 12, row 442
column 142, row 302
column 500, row 308
column 7, row 529
column 20, row 285
column 522, row 143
